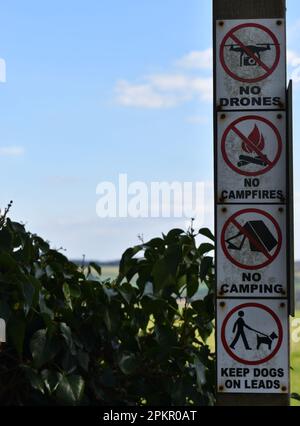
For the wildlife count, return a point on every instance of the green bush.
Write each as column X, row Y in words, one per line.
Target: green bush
column 74, row 339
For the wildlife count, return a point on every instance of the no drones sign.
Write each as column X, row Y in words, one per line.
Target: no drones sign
column 250, row 62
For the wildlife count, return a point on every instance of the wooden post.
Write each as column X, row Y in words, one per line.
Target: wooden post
column 240, row 10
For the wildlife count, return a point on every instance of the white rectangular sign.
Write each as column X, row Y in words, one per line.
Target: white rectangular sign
column 251, row 64
column 251, row 157
column 251, row 251
column 252, row 346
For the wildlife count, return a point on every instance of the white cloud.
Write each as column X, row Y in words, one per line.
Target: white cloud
column 163, row 91
column 293, row 61
column 142, row 96
column 11, row 151
column 198, row 119
column 293, row 58
column 168, row 90
column 197, row 59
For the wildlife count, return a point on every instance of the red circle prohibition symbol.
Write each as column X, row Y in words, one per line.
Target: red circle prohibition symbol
column 245, row 361
column 268, row 70
column 270, row 258
column 232, row 127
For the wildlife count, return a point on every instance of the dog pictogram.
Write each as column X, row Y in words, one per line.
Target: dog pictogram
column 240, row 328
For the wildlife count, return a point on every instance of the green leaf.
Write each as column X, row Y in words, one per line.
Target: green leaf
column 192, row 286
column 5, row 240
column 8, row 263
column 155, row 242
column 67, row 335
column 127, row 363
column 83, row 360
column 205, row 248
column 16, row 331
column 28, row 292
column 160, row 274
column 295, row 396
column 96, row 267
column 5, row 310
column 51, row 380
column 205, row 266
column 34, row 378
column 200, row 373
column 173, row 235
column 41, row 244
column 67, row 294
column 44, row 308
column 70, row 389
column 43, row 348
column 127, row 292
column 207, row 233
column 17, row 227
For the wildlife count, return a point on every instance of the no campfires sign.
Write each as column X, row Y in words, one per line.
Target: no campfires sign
column 251, row 62
column 251, row 157
column 253, row 346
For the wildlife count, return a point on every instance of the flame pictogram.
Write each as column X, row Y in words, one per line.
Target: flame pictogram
column 257, row 139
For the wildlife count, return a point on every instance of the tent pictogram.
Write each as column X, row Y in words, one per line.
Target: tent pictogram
column 251, row 239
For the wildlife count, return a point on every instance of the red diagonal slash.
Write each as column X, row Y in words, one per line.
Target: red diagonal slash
column 256, row 243
column 250, row 53
column 252, row 146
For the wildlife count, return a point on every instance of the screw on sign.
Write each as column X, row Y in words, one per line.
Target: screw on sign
column 250, row 52
column 251, row 145
column 252, row 333
column 251, row 239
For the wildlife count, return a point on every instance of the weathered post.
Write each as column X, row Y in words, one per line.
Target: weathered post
column 253, row 202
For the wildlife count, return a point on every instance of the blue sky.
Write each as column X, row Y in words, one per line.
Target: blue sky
column 99, row 88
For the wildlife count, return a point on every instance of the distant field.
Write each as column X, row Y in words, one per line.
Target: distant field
column 109, row 272
column 295, row 364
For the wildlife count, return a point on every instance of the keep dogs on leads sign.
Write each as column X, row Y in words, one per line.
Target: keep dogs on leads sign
column 252, row 352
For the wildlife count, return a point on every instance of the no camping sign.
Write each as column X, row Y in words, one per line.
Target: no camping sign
column 252, row 340
column 251, row 251
column 250, row 63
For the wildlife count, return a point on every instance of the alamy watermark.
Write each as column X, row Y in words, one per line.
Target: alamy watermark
column 154, row 200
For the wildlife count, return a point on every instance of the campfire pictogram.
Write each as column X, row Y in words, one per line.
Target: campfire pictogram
column 256, row 138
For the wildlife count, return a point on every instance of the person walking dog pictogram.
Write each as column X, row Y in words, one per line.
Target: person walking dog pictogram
column 239, row 328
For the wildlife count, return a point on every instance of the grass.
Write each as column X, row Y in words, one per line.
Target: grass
column 295, row 362
column 112, row 272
